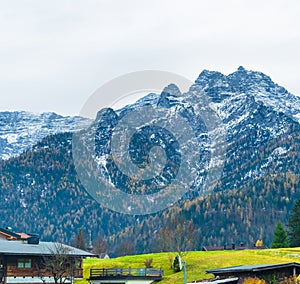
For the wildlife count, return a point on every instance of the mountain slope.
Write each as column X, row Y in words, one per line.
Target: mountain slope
column 258, row 185
column 253, row 110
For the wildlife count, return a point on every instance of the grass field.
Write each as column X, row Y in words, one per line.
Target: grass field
column 197, row 262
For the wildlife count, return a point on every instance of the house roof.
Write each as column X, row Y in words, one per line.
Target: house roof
column 43, row 248
column 217, row 281
column 23, row 236
column 251, row 268
column 213, row 248
column 9, row 234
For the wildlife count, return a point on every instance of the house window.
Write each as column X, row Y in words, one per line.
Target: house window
column 24, row 263
column 78, row 264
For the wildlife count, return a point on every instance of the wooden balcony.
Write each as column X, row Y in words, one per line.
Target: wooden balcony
column 154, row 274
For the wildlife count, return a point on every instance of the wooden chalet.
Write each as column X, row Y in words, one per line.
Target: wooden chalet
column 24, row 259
column 271, row 273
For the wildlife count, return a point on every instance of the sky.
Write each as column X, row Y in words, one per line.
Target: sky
column 55, row 54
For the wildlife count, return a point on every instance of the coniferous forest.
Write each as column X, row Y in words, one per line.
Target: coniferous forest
column 41, row 193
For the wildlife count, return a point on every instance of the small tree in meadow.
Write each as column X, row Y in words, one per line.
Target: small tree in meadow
column 148, row 262
column 280, row 239
column 177, row 265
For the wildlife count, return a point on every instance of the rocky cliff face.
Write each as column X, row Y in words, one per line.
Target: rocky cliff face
column 252, row 111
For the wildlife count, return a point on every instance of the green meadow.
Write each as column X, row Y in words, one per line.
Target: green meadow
column 197, row 262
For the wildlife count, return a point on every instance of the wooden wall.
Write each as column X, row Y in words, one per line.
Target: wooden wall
column 35, row 270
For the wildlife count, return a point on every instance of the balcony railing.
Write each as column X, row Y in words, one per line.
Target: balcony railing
column 101, row 273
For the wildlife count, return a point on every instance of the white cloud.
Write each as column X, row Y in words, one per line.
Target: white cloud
column 54, row 54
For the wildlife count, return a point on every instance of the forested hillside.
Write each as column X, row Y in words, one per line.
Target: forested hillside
column 41, row 192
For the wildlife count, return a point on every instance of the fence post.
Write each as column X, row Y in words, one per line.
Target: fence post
column 184, row 271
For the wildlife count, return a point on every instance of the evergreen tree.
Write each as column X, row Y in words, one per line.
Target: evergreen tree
column 294, row 226
column 177, row 266
column 80, row 240
column 280, row 239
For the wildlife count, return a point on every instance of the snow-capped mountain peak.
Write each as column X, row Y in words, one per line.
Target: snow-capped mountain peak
column 248, row 85
column 20, row 130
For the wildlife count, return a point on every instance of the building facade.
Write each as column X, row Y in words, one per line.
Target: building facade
column 25, row 259
column 271, row 273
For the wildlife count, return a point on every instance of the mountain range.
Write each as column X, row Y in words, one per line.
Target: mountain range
column 20, row 130
column 41, row 191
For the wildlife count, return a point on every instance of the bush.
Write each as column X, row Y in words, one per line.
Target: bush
column 254, row 280
column 171, row 260
column 290, row 280
column 148, row 262
column 177, row 266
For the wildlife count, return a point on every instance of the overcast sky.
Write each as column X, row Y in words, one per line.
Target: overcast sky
column 55, row 54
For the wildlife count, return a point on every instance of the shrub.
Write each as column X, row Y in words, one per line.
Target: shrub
column 171, row 260
column 177, row 266
column 290, row 280
column 148, row 262
column 254, row 280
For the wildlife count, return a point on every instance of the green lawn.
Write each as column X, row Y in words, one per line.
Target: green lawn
column 197, row 262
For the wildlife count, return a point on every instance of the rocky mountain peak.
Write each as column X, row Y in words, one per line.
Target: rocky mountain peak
column 20, row 130
column 241, row 68
column 233, row 89
column 208, row 78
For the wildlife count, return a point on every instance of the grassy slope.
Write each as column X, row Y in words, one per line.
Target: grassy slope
column 197, row 262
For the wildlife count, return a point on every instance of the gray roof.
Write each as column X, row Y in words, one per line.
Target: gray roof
column 43, row 248
column 253, row 268
column 217, row 281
